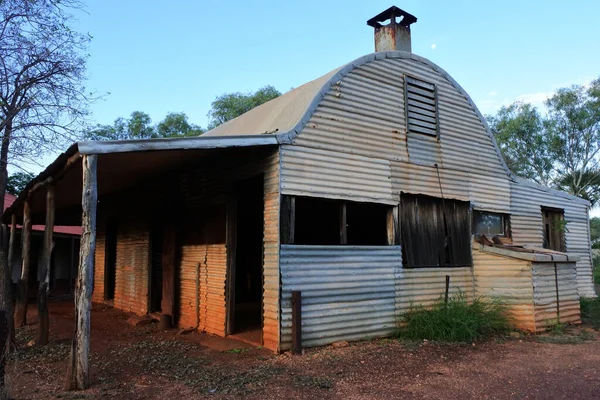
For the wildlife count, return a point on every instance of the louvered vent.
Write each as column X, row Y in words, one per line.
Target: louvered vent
column 421, row 107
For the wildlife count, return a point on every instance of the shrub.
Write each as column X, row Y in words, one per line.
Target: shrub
column 458, row 321
column 590, row 311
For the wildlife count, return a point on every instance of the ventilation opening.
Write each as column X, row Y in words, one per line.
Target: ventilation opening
column 421, row 107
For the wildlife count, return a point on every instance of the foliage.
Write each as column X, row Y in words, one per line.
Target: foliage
column 458, row 321
column 561, row 149
column 17, row 181
column 139, row 126
column 518, row 130
column 590, row 311
column 231, row 105
column 42, row 97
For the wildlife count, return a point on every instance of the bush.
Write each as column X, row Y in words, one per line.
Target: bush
column 590, row 311
column 458, row 321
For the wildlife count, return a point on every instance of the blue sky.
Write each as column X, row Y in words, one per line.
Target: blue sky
column 159, row 57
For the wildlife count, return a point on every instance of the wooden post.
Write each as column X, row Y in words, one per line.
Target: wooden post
column 78, row 368
column 288, row 219
column 21, row 306
column 447, row 289
column 9, row 305
column 393, row 233
column 44, row 322
column 296, row 322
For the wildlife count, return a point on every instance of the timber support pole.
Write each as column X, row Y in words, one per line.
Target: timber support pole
column 78, row 367
column 44, row 322
column 10, row 319
column 22, row 295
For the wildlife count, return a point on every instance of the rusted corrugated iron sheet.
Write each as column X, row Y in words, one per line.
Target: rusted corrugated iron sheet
column 545, row 294
column 348, row 292
column 526, row 226
column 271, row 277
column 131, row 283
column 213, row 272
column 191, row 259
column 98, row 293
column 307, row 171
column 509, row 279
column 424, row 286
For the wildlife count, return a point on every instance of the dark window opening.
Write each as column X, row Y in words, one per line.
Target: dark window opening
column 156, row 272
column 421, row 107
column 435, row 232
column 490, row 224
column 318, row 221
column 554, row 228
column 366, row 224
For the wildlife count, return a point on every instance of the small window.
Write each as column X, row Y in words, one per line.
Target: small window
column 435, row 232
column 421, row 107
column 555, row 227
column 489, row 224
column 318, row 221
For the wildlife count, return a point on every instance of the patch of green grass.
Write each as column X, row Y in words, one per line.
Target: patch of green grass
column 319, row 382
column 577, row 338
column 597, row 275
column 458, row 321
column 238, row 351
column 555, row 328
column 590, row 311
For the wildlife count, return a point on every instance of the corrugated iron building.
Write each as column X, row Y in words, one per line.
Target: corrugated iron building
column 363, row 189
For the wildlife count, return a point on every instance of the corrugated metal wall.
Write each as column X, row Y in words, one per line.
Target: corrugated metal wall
column 348, row 292
column 213, row 273
column 271, row 305
column 526, row 226
column 426, row 285
column 510, row 279
column 131, row 283
column 545, row 298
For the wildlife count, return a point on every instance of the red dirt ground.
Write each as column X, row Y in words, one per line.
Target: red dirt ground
column 144, row 363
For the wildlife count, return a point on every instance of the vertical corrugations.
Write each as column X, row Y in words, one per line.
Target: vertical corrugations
column 131, row 288
column 271, row 275
column 546, row 302
column 98, row 293
column 510, row 280
column 347, row 292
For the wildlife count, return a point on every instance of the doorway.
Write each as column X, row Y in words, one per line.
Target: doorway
column 248, row 264
column 156, row 270
column 554, row 225
column 110, row 260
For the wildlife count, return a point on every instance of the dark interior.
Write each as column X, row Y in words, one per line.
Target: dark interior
column 110, row 260
column 249, row 256
column 317, row 221
column 157, row 272
column 366, row 224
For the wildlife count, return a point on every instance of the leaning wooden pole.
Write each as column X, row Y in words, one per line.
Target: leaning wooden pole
column 44, row 288
column 9, row 305
column 78, row 368
column 21, row 306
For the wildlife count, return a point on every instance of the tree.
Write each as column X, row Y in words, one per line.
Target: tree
column 573, row 128
column 561, row 149
column 519, row 132
column 176, row 125
column 17, row 181
column 42, row 98
column 139, row 126
column 595, row 232
column 231, row 105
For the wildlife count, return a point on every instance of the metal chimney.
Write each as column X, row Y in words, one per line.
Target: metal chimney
column 396, row 34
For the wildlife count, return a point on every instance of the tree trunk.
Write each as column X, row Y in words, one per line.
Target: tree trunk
column 44, row 323
column 10, row 341
column 78, row 368
column 21, row 306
